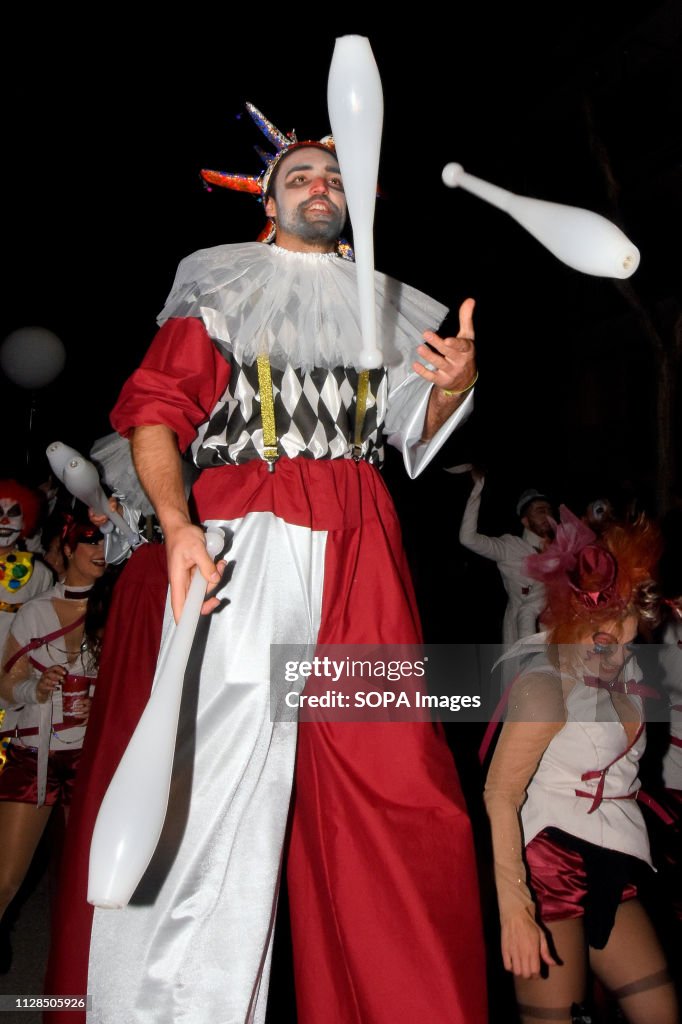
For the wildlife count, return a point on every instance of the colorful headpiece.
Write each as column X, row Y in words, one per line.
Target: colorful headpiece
column 78, row 531
column 259, row 184
column 590, row 580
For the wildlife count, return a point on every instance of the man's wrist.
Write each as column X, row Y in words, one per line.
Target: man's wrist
column 452, row 392
column 445, row 400
column 173, row 520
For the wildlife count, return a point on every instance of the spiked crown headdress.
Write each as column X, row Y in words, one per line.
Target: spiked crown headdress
column 259, row 184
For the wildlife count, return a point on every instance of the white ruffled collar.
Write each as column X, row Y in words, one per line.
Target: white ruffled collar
column 309, row 257
column 301, row 309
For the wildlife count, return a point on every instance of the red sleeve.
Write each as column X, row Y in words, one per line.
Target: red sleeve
column 177, row 385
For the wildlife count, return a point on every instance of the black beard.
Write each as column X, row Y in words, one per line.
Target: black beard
column 324, row 230
column 319, row 231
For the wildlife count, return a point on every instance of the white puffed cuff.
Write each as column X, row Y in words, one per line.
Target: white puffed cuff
column 25, row 692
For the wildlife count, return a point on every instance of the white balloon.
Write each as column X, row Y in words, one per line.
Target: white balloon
column 579, row 238
column 132, row 814
column 32, row 357
column 356, row 110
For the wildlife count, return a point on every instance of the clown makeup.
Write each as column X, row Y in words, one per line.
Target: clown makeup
column 307, row 201
column 610, row 649
column 11, row 522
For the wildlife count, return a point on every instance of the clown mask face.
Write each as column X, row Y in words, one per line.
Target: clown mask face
column 11, row 522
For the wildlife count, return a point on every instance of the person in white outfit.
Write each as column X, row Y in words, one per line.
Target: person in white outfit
column 526, row 596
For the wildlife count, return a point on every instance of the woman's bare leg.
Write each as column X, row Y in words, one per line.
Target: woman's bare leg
column 21, row 826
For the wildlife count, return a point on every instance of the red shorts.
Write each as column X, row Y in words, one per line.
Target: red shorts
column 19, row 778
column 573, row 878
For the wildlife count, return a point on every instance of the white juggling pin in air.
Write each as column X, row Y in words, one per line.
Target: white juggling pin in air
column 579, row 238
column 356, row 111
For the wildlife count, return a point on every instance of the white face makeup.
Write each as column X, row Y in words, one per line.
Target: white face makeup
column 307, row 200
column 11, row 522
column 610, row 649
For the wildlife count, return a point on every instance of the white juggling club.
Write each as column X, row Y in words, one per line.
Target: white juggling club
column 58, row 455
column 356, row 111
column 580, row 238
column 81, row 479
column 133, row 811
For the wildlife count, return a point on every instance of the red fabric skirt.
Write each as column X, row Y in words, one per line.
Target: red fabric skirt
column 19, row 778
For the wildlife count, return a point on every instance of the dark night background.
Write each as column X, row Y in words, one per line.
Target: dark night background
column 107, row 124
column 106, row 129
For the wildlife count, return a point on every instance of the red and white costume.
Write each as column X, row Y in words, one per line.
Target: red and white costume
column 43, row 730
column 568, row 763
column 381, row 867
column 588, row 777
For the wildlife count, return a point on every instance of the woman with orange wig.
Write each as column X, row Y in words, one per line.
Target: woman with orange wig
column 568, row 835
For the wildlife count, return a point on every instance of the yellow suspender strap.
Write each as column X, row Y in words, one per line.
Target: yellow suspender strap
column 360, row 410
column 267, row 411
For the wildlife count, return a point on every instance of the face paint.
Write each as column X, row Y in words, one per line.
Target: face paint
column 11, row 522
